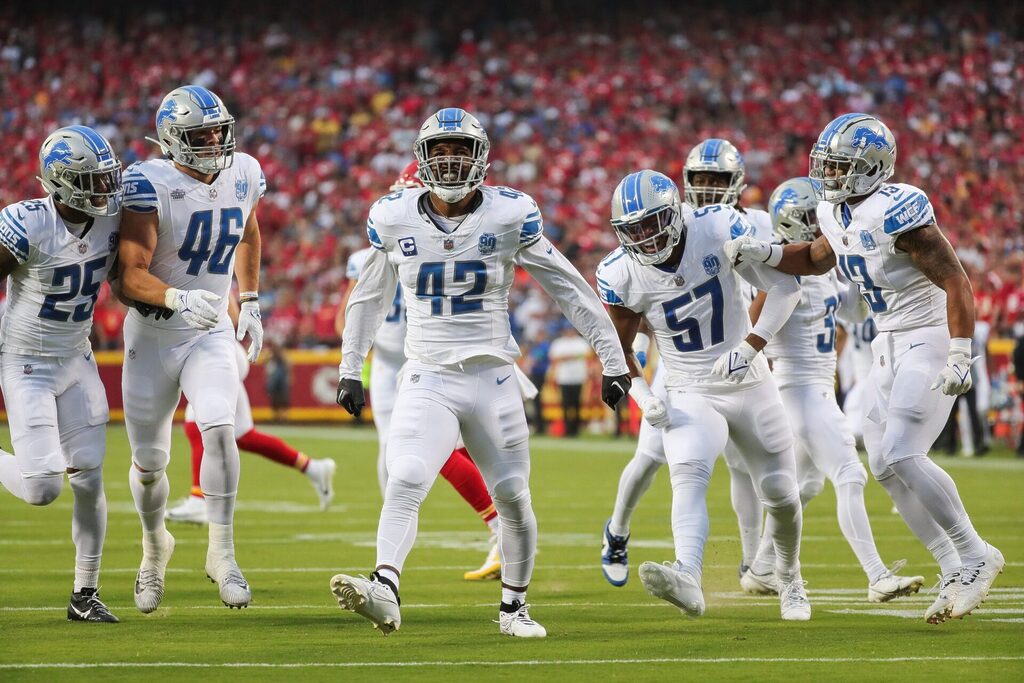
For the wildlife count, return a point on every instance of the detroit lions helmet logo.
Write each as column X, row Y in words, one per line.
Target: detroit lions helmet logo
column 661, row 183
column 58, row 154
column 168, row 111
column 787, row 196
column 864, row 137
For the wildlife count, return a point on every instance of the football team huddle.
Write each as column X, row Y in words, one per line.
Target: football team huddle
column 742, row 304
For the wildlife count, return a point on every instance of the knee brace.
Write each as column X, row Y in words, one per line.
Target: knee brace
column 42, row 490
column 690, row 474
column 147, row 476
column 851, row 473
column 778, row 490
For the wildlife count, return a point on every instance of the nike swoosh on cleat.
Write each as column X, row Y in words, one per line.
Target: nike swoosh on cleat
column 84, row 615
column 503, row 379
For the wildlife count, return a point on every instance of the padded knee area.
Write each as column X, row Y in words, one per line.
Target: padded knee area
column 510, row 490
column 408, row 471
column 148, row 476
column 778, row 489
column 218, row 439
column 810, row 489
column 851, row 473
column 879, row 467
column 215, row 411
column 688, row 473
column 42, row 490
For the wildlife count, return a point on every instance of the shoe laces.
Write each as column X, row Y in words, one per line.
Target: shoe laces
column 945, row 580
column 234, row 576
column 618, row 551
column 93, row 601
column 969, row 574
column 149, row 578
column 793, row 591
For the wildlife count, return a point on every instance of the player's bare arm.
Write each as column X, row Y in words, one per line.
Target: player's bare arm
column 7, row 263
column 933, row 255
column 135, row 252
column 807, row 258
column 247, row 256
column 627, row 324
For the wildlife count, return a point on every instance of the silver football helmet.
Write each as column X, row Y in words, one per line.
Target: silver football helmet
column 185, row 111
column 714, row 155
column 78, row 166
column 647, row 216
column 793, row 207
column 853, row 156
column 452, row 178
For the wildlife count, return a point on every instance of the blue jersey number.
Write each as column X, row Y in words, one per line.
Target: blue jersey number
column 196, row 248
column 690, row 338
column 430, row 285
column 856, row 269
column 396, row 307
column 79, row 284
column 827, row 339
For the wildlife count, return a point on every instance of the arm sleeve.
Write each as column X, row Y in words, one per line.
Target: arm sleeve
column 13, row 235
column 577, row 300
column 782, row 295
column 365, row 312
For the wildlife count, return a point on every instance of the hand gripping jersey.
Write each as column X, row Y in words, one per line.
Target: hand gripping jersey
column 52, row 293
column 390, row 338
column 864, row 241
column 696, row 310
column 200, row 224
column 455, row 285
column 803, row 351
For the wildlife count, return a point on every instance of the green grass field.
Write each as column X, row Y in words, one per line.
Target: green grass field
column 289, row 550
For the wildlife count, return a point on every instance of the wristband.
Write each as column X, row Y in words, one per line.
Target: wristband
column 774, row 255
column 640, row 390
column 169, row 295
column 960, row 345
column 246, row 297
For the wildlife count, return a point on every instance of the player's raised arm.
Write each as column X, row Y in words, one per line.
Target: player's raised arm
column 806, row 258
column 782, row 294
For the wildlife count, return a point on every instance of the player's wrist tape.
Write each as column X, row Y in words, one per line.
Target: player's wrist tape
column 960, row 345
column 169, row 295
column 246, row 297
column 774, row 255
column 640, row 390
column 641, row 342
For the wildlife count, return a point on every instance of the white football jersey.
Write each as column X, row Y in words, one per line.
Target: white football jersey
column 390, row 337
column 52, row 293
column 696, row 310
column 200, row 224
column 859, row 338
column 804, row 350
column 761, row 229
column 864, row 241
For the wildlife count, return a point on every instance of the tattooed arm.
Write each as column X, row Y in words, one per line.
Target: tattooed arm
column 933, row 255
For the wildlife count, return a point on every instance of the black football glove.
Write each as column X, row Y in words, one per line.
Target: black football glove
column 350, row 396
column 159, row 312
column 614, row 389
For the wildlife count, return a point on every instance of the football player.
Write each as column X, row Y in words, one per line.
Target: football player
column 804, row 365
column 56, row 252
column 883, row 236
column 453, row 246
column 671, row 271
column 189, row 221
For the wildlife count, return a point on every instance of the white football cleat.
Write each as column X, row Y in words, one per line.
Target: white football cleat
column 149, row 583
column 370, row 599
column 491, row 568
column 191, row 510
column 321, row 476
column 975, row 582
column 948, row 586
column 891, row 585
column 666, row 582
column 759, row 584
column 233, row 588
column 793, row 601
column 519, row 623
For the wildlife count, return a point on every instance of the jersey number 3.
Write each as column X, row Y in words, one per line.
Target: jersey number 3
column 196, row 248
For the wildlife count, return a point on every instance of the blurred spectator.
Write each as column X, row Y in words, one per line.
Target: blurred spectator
column 568, row 354
column 537, row 362
column 278, row 379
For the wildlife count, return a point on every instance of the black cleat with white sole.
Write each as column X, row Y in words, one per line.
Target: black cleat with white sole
column 86, row 605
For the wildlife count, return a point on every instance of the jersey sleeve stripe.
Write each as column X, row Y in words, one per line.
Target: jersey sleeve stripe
column 609, row 296
column 139, row 195
column 374, row 238
column 13, row 236
column 915, row 214
column 263, row 184
column 530, row 232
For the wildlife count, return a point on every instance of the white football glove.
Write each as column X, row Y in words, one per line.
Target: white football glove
column 733, row 366
column 955, row 378
column 194, row 306
column 655, row 412
column 250, row 322
column 746, row 248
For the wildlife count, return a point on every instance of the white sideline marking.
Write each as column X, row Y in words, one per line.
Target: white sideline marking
column 489, row 663
column 916, row 614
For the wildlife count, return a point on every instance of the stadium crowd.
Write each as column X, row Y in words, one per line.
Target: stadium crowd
column 330, row 101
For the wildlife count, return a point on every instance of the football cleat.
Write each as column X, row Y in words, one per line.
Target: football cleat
column 86, row 605
column 667, row 582
column 793, row 601
column 975, row 582
column 491, row 568
column 517, row 622
column 890, row 585
column 321, row 476
column 191, row 510
column 759, row 584
column 232, row 586
column 370, row 599
column 742, row 569
column 614, row 557
column 149, row 584
column 948, row 585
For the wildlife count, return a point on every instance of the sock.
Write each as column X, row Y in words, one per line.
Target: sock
column 10, row 474
column 937, row 493
column 944, row 552
column 222, row 540
column 782, row 529
column 464, row 476
column 690, row 514
column 493, row 524
column 88, row 525
column 511, row 596
column 749, row 514
column 150, row 491
column 920, row 522
column 633, row 484
column 517, row 541
column 195, row 442
column 853, row 522
column 273, row 448
column 219, row 474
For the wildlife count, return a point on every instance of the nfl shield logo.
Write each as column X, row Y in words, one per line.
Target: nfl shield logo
column 241, row 189
column 487, row 243
column 213, row 193
column 867, row 241
column 678, row 279
column 82, row 247
column 711, row 264
column 449, row 244
column 414, row 378
column 28, row 369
